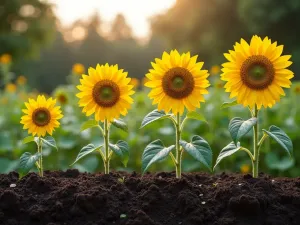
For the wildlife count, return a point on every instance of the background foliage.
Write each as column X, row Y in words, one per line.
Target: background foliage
column 41, row 51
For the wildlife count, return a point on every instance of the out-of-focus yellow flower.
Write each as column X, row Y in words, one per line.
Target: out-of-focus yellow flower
column 21, row 80
column 219, row 84
column 135, row 82
column 61, row 96
column 11, row 88
column 296, row 89
column 245, row 168
column 5, row 59
column 78, row 69
column 215, row 70
column 4, row 101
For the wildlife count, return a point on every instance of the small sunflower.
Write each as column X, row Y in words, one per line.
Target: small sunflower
column 257, row 72
column 61, row 96
column 296, row 89
column 245, row 168
column 78, row 69
column 135, row 82
column 177, row 81
column 41, row 116
column 105, row 92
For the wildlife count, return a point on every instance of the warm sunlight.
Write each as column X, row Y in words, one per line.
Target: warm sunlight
column 136, row 12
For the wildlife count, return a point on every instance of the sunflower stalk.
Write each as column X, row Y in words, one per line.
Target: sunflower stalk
column 40, row 161
column 178, row 148
column 255, row 145
column 106, row 147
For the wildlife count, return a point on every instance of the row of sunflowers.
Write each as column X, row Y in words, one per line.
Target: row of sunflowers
column 254, row 74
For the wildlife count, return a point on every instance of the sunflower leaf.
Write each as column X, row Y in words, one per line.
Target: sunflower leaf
column 50, row 141
column 120, row 124
column 28, row 139
column 85, row 151
column 230, row 149
column 229, row 104
column 196, row 116
column 89, row 124
column 281, row 138
column 121, row 149
column 199, row 149
column 154, row 116
column 154, row 152
column 27, row 161
column 239, row 127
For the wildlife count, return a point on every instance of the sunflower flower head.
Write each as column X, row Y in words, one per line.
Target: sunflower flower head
column 5, row 59
column 11, row 88
column 78, row 69
column 177, row 82
column 105, row 92
column 257, row 72
column 296, row 89
column 41, row 116
column 61, row 96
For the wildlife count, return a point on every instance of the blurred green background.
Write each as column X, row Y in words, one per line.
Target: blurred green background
column 38, row 52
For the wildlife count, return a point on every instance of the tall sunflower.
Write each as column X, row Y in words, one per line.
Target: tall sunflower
column 105, row 92
column 257, row 72
column 41, row 116
column 177, row 81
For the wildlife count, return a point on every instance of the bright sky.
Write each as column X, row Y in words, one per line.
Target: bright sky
column 136, row 12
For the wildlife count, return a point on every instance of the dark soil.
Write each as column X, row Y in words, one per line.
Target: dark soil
column 63, row 198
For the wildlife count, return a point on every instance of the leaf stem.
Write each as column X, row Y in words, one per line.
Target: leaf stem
column 100, row 128
column 106, row 146
column 255, row 145
column 262, row 139
column 248, row 152
column 178, row 151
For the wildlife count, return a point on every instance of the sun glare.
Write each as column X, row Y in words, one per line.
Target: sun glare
column 136, row 12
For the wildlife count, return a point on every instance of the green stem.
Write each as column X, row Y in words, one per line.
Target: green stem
column 178, row 151
column 255, row 145
column 40, row 150
column 106, row 147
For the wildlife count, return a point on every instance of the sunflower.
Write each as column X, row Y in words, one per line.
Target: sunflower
column 61, row 96
column 5, row 59
column 11, row 88
column 41, row 116
column 177, row 81
column 257, row 72
column 21, row 80
column 215, row 70
column 78, row 69
column 105, row 92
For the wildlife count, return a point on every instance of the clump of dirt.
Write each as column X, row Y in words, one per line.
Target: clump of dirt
column 63, row 198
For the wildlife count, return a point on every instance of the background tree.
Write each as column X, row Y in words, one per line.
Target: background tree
column 25, row 27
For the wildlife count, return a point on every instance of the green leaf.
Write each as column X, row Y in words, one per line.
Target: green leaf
column 281, row 138
column 27, row 161
column 153, row 116
column 239, row 127
column 199, row 149
column 89, row 124
column 229, row 104
column 28, row 139
column 154, row 152
column 85, row 151
column 50, row 141
column 230, row 149
column 120, row 124
column 196, row 116
column 122, row 151
column 274, row 162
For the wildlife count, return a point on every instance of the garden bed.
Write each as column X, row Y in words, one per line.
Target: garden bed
column 62, row 198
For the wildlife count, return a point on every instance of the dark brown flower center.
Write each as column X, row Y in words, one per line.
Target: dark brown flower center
column 257, row 72
column 106, row 93
column 178, row 83
column 41, row 117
